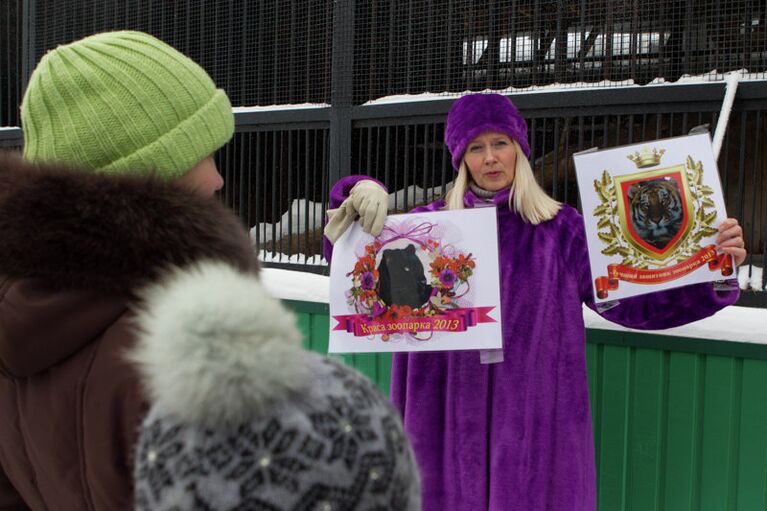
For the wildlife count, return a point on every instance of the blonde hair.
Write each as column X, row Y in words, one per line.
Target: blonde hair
column 526, row 196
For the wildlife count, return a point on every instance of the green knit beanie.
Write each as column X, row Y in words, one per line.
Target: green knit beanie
column 123, row 102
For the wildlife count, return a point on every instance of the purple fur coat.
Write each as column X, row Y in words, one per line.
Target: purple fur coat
column 517, row 434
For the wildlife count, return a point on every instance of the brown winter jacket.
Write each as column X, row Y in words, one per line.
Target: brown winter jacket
column 74, row 247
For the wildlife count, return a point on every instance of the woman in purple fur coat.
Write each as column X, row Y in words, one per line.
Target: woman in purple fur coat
column 511, row 430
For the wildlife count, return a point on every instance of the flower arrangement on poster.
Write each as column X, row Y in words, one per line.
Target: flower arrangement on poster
column 417, row 286
column 651, row 212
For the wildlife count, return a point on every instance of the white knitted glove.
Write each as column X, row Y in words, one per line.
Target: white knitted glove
column 339, row 220
column 367, row 200
column 371, row 202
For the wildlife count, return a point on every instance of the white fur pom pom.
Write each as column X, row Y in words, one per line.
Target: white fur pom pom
column 214, row 348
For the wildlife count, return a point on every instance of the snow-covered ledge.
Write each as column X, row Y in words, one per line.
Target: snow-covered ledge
column 296, row 285
column 741, row 324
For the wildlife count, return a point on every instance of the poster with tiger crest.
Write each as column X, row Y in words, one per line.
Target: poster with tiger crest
column 652, row 212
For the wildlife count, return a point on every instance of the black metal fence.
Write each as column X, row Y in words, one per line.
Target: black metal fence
column 343, row 56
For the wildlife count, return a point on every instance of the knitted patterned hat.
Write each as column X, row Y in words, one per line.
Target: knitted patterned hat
column 474, row 114
column 123, row 102
column 242, row 418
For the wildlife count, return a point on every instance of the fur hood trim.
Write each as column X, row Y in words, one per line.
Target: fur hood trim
column 83, row 230
column 214, row 348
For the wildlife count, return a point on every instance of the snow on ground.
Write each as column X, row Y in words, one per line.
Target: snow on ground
column 295, row 220
column 268, row 257
column 752, row 282
column 296, row 285
column 741, row 324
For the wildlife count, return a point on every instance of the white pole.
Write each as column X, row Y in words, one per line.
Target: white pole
column 731, row 87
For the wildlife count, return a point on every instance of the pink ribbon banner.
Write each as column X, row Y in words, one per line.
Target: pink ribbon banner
column 457, row 320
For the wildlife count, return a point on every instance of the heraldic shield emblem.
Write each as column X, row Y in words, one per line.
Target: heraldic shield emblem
column 655, row 221
column 655, row 210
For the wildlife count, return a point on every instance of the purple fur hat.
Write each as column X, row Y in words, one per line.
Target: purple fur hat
column 474, row 114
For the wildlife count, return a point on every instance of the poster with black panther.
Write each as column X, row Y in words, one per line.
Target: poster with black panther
column 428, row 282
column 652, row 212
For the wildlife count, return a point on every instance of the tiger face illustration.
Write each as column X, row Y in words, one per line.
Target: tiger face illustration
column 656, row 210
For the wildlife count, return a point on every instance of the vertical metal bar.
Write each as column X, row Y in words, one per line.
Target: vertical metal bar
column 742, row 166
column 492, row 52
column 406, row 169
column 560, row 48
column 28, row 36
column 542, row 168
column 726, row 148
column 390, row 74
column 370, row 168
column 755, row 171
column 342, row 90
column 325, row 172
column 449, row 47
column 387, row 153
column 555, row 159
column 243, row 189
column 247, row 165
column 367, row 87
column 565, row 156
column 535, row 41
column 311, row 192
column 259, row 47
column 260, row 172
column 582, row 32
column 292, row 54
column 276, row 60
column 658, row 125
column 426, row 151
column 431, row 46
column 409, row 47
column 764, row 219
column 275, row 183
column 307, row 54
column 472, row 18
column 289, row 135
column 187, row 25
column 436, row 161
column 636, row 41
column 395, row 182
column 308, row 171
column 242, row 97
column 512, row 46
column 608, row 42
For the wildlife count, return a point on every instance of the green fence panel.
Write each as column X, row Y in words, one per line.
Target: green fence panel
column 752, row 469
column 682, row 430
column 679, row 424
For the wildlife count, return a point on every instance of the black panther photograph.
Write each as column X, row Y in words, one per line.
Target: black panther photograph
column 401, row 278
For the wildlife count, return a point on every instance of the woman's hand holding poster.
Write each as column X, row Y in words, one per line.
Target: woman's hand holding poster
column 428, row 282
column 652, row 211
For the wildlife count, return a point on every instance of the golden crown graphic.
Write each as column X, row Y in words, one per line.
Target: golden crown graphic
column 646, row 158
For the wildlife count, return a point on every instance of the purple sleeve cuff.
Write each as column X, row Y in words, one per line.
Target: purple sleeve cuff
column 671, row 308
